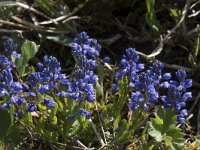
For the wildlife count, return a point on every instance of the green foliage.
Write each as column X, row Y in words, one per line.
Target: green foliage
column 163, row 129
column 14, row 135
column 28, row 51
column 151, row 17
column 120, row 127
column 176, row 14
column 194, row 55
column 46, row 6
column 6, row 122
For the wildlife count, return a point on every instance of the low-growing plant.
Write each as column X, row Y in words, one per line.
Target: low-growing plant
column 96, row 106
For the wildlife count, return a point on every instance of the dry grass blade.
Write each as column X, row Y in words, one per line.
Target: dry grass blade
column 19, row 20
column 64, row 17
column 13, row 24
column 25, row 6
column 32, row 28
column 11, row 31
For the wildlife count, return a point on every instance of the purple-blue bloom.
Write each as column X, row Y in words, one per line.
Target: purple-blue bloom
column 82, row 86
column 177, row 96
column 129, row 66
column 49, row 76
column 84, row 113
column 18, row 114
column 49, row 102
column 5, row 105
column 4, row 61
column 10, row 46
column 147, row 85
column 30, row 107
column 106, row 59
column 86, row 49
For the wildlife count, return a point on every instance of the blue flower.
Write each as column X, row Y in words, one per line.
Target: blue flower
column 49, row 102
column 106, row 59
column 18, row 114
column 177, row 96
column 49, row 76
column 51, row 64
column 129, row 67
column 7, row 86
column 5, row 105
column 84, row 113
column 86, row 49
column 42, row 89
column 136, row 98
column 4, row 61
column 82, row 86
column 30, row 107
column 166, row 76
column 34, row 79
column 10, row 46
column 184, row 83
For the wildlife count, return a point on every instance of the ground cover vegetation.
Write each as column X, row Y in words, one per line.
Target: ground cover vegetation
column 99, row 74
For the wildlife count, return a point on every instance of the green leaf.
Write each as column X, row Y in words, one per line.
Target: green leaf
column 29, row 49
column 83, row 121
column 191, row 60
column 15, row 135
column 54, row 110
column 54, row 120
column 163, row 128
column 174, row 12
column 42, row 107
column 5, row 123
column 59, row 105
column 1, row 145
column 197, row 41
column 47, row 8
column 155, row 130
column 61, row 40
column 150, row 145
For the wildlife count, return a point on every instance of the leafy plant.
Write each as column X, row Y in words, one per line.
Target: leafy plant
column 151, row 17
column 163, row 129
column 70, row 109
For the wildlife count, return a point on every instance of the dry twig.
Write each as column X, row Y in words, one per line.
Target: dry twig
column 23, row 5
column 159, row 49
column 65, row 17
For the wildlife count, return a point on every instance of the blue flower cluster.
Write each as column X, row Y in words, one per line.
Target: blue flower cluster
column 86, row 50
column 15, row 94
column 177, row 95
column 10, row 49
column 46, row 80
column 10, row 90
column 81, row 87
column 147, row 85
